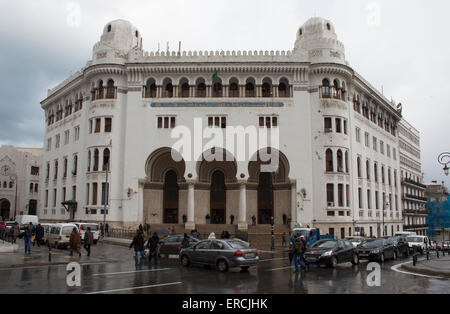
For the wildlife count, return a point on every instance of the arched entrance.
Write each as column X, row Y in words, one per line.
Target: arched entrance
column 269, row 182
column 218, row 198
column 171, row 198
column 5, row 209
column 265, row 198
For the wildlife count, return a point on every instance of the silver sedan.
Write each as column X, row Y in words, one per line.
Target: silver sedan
column 223, row 254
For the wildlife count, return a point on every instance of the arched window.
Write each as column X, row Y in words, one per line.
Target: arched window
column 96, row 156
column 110, row 90
column 250, row 90
column 150, row 88
column 100, row 90
column 234, row 88
column 336, row 89
column 218, row 198
column 329, row 160
column 325, row 88
column 201, row 88
column 340, row 161
column 265, row 198
column 283, row 88
column 11, row 185
column 217, row 88
column 343, row 92
column 167, row 88
column 267, row 88
column 106, row 158
column 171, row 191
column 5, row 185
column 184, row 88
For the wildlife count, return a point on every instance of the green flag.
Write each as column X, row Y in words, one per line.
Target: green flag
column 215, row 75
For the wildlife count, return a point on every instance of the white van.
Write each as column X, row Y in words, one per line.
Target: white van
column 59, row 235
column 47, row 227
column 405, row 234
column 23, row 220
column 95, row 229
column 422, row 243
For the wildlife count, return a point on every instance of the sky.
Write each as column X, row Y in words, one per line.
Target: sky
column 400, row 47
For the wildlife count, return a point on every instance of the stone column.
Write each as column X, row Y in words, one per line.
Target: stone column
column 190, row 225
column 243, row 225
column 294, row 218
column 140, row 213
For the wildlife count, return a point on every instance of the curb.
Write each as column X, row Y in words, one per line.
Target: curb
column 11, row 248
column 426, row 271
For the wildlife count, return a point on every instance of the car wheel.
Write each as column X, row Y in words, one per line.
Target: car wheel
column 382, row 258
column 355, row 259
column 222, row 265
column 333, row 262
column 394, row 257
column 185, row 261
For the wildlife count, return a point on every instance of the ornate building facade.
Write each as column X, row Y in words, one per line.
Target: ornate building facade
column 19, row 181
column 337, row 153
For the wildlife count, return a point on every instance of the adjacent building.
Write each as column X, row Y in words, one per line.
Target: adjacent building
column 19, row 181
column 413, row 189
column 128, row 112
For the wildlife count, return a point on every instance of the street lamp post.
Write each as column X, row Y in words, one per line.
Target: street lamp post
column 385, row 204
column 444, row 159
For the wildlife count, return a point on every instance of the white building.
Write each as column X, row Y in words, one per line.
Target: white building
column 19, row 181
column 413, row 189
column 333, row 127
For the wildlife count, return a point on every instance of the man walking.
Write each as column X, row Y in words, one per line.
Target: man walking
column 283, row 239
column 298, row 254
column 39, row 235
column 75, row 242
column 152, row 245
column 138, row 244
column 15, row 231
column 88, row 241
column 3, row 229
column 28, row 234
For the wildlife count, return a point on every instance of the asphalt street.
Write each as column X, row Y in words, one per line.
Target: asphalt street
column 111, row 269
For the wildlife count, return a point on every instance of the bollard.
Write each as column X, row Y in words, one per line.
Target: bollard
column 428, row 255
column 437, row 253
column 49, row 252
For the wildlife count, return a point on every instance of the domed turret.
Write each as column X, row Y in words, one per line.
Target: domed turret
column 318, row 37
column 118, row 39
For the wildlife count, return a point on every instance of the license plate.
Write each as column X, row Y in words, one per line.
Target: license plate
column 249, row 255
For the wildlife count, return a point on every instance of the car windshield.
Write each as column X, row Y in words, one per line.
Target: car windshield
column 300, row 233
column 237, row 244
column 414, row 239
column 324, row 244
column 373, row 243
column 93, row 227
column 355, row 240
column 67, row 230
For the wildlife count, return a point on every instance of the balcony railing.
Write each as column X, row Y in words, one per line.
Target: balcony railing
column 416, row 212
column 419, row 198
column 407, row 180
column 411, row 227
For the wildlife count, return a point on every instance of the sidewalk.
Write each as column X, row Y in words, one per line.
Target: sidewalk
column 434, row 267
column 6, row 247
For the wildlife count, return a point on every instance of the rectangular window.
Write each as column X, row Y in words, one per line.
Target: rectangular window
column 87, row 193
column 172, row 123
column 338, row 126
column 94, row 193
column 388, row 151
column 330, row 194
column 261, row 122
column 360, row 198
column 166, row 122
column 34, row 171
column 377, row 200
column 77, row 134
column 55, row 195
column 66, row 137
column 57, row 140
column 64, row 194
column 382, row 147
column 105, row 193
column 369, row 200
column 375, row 144
column 90, row 126
column 394, row 154
column 108, row 125
column 345, row 127
column 328, row 125
column 74, row 192
column 358, row 135
column 98, row 124
column 46, row 198
column 367, row 139
column 160, row 122
column 275, row 122
column 49, row 144
column 348, row 195
column 341, row 195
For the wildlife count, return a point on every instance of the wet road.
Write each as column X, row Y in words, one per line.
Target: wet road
column 273, row 275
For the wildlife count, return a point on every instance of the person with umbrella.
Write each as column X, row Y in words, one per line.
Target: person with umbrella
column 152, row 245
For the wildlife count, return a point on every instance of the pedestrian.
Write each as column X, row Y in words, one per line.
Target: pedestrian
column 102, row 229
column 138, row 244
column 28, row 234
column 254, row 220
column 284, row 219
column 212, row 236
column 15, row 231
column 283, row 239
column 152, row 245
column 185, row 243
column 88, row 241
column 3, row 229
column 141, row 228
column 232, row 219
column 75, row 242
column 298, row 254
column 107, row 229
column 39, row 235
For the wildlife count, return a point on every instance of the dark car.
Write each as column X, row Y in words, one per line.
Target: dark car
column 331, row 253
column 400, row 244
column 377, row 250
column 171, row 245
column 223, row 254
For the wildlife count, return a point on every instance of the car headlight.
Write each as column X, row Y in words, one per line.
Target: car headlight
column 329, row 253
column 375, row 251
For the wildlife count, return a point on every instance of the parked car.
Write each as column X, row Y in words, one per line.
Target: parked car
column 82, row 227
column 223, row 254
column 400, row 245
column 331, row 253
column 356, row 241
column 171, row 245
column 420, row 243
column 47, row 227
column 377, row 250
column 59, row 235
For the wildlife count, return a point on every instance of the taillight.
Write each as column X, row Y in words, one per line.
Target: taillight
column 257, row 253
column 238, row 253
column 81, row 227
